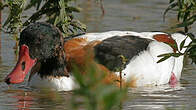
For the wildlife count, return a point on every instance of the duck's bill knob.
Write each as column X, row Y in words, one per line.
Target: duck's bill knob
column 23, row 66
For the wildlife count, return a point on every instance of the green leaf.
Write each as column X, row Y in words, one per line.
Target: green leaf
column 182, row 44
column 163, row 59
column 192, row 36
column 34, row 3
column 73, row 9
column 176, row 54
column 173, row 5
column 170, row 1
column 162, row 55
column 168, row 55
column 185, row 23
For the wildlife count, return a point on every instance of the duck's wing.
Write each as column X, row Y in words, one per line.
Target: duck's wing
column 112, row 51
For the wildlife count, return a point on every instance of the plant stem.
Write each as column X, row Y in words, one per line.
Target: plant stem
column 0, row 17
column 102, row 8
column 186, row 29
column 121, row 79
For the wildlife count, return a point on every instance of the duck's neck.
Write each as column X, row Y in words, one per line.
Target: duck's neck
column 54, row 67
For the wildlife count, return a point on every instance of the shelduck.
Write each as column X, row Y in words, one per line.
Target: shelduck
column 49, row 57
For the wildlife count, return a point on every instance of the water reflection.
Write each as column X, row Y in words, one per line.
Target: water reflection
column 161, row 98
column 33, row 99
column 23, row 100
column 165, row 97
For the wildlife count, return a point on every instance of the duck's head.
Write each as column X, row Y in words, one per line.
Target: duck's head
column 41, row 49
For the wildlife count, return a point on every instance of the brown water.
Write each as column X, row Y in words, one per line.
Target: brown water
column 134, row 15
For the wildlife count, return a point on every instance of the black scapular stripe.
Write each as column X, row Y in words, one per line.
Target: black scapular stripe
column 109, row 51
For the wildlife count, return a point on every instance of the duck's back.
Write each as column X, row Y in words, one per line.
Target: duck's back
column 116, row 52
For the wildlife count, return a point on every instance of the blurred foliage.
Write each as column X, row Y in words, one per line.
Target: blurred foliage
column 14, row 19
column 186, row 15
column 94, row 93
column 186, row 10
column 192, row 48
column 57, row 12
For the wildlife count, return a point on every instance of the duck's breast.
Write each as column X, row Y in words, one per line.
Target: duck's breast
column 55, row 83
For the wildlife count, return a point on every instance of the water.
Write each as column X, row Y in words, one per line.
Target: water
column 134, row 15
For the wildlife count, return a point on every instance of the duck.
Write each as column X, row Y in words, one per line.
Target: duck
column 49, row 58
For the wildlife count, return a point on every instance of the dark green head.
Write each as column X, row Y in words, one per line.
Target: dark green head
column 43, row 39
column 41, row 48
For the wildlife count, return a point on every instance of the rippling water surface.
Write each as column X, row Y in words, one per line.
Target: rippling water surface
column 134, row 15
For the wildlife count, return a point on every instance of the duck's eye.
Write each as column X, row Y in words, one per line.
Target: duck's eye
column 23, row 65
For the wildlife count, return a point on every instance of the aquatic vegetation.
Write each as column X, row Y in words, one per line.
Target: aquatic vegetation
column 186, row 16
column 57, row 12
column 186, row 12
